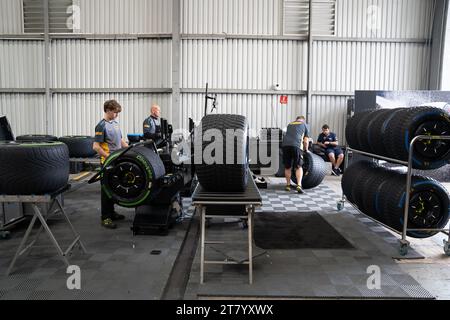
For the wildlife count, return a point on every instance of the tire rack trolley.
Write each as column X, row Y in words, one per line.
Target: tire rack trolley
column 404, row 244
column 250, row 198
column 51, row 200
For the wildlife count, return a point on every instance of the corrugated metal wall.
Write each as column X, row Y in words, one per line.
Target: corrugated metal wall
column 73, row 114
column 349, row 66
column 379, row 44
column 261, row 110
column 384, row 18
column 11, row 16
column 244, row 64
column 144, row 63
column 21, row 64
column 329, row 110
column 25, row 112
column 126, row 16
column 250, row 17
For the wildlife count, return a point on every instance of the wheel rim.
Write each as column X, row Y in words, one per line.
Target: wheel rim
column 433, row 149
column 127, row 180
column 425, row 209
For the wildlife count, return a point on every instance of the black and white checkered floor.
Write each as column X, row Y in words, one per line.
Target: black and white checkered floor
column 120, row 266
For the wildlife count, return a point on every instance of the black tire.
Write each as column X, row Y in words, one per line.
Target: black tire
column 371, row 188
column 350, row 175
column 131, row 180
column 314, row 171
column 361, row 131
column 33, row 168
column 429, row 205
column 410, row 122
column 225, row 176
column 374, row 140
column 350, row 129
column 79, row 146
column 377, row 136
column 36, row 138
column 357, row 188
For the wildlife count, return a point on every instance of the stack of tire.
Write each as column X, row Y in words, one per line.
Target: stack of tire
column 388, row 132
column 33, row 168
column 228, row 168
column 381, row 193
column 79, row 146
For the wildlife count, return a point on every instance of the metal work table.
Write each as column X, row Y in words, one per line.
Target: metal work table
column 50, row 199
column 213, row 204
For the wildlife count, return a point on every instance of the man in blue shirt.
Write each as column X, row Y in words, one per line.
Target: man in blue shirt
column 294, row 143
column 329, row 141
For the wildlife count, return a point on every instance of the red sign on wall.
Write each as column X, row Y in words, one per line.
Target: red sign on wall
column 283, row 99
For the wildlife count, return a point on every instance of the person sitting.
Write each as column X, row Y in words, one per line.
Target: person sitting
column 328, row 140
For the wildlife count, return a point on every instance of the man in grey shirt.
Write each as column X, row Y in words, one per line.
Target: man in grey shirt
column 295, row 142
column 108, row 138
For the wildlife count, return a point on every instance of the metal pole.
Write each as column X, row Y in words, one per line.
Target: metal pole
column 409, row 176
column 176, row 49
column 309, row 68
column 202, row 241
column 47, row 69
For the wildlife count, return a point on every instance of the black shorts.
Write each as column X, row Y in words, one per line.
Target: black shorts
column 292, row 156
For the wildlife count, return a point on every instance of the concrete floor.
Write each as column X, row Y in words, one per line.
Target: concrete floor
column 433, row 272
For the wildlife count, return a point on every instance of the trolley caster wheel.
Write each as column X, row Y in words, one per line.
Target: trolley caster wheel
column 447, row 247
column 340, row 205
column 5, row 235
column 403, row 249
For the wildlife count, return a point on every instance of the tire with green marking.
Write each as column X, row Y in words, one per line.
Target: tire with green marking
column 36, row 138
column 79, row 146
column 130, row 180
column 33, row 168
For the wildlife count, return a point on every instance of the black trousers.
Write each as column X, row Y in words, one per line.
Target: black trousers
column 107, row 206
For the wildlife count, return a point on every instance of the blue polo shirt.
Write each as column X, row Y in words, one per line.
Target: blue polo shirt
column 330, row 138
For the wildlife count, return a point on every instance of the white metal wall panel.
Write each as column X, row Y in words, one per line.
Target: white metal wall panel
column 74, row 114
column 244, row 64
column 21, row 64
column 126, row 16
column 250, row 17
column 349, row 66
column 329, row 110
column 384, row 18
column 10, row 16
column 25, row 112
column 261, row 110
column 144, row 63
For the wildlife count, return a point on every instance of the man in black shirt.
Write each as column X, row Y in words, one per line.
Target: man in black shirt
column 152, row 125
